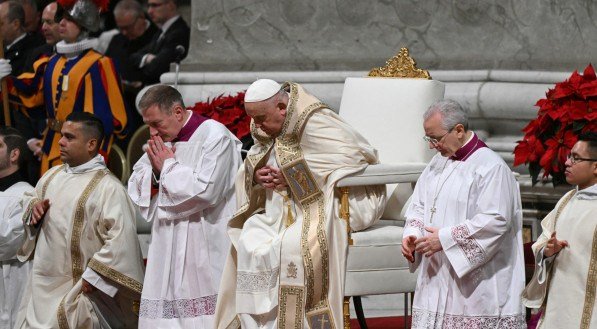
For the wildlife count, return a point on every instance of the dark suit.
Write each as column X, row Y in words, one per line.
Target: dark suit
column 164, row 49
column 17, row 53
column 120, row 50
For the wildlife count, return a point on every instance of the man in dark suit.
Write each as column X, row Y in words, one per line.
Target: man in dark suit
column 135, row 32
column 17, row 42
column 155, row 58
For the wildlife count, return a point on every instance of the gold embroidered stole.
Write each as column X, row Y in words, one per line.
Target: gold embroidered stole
column 294, row 301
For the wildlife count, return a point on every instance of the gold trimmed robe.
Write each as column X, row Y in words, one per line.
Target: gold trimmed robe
column 89, row 227
column 314, row 150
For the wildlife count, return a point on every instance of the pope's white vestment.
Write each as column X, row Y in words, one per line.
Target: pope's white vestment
column 477, row 279
column 12, row 233
column 88, row 232
column 190, row 213
column 286, row 267
column 564, row 285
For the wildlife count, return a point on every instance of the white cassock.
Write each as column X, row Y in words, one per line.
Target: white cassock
column 12, row 233
column 564, row 284
column 190, row 214
column 88, row 233
column 477, row 279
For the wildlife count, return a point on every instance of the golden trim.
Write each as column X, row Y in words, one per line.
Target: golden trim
column 61, row 314
column 115, row 276
column 291, row 316
column 78, row 220
column 587, row 312
column 346, row 312
column 47, row 182
column 345, row 212
column 325, row 312
column 400, row 66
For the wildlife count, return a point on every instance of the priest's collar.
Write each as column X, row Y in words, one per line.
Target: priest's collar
column 193, row 122
column 589, row 193
column 470, row 147
column 10, row 180
column 94, row 164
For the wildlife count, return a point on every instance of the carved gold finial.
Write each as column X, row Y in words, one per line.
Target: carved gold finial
column 400, row 66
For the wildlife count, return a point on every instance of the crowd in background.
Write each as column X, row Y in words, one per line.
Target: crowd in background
column 142, row 39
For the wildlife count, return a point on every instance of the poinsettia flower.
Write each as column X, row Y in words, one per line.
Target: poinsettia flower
column 558, row 148
column 589, row 73
column 563, row 89
column 528, row 150
column 588, row 89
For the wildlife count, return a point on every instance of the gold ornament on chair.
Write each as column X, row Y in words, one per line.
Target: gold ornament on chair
column 400, row 66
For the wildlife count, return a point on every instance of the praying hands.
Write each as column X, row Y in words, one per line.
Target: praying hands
column 158, row 152
column 270, row 177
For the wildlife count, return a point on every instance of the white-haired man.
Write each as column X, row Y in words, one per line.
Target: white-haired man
column 286, row 269
column 463, row 231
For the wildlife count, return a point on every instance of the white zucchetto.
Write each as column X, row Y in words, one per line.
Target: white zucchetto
column 261, row 90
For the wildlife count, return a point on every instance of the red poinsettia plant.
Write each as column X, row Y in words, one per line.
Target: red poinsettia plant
column 229, row 111
column 567, row 110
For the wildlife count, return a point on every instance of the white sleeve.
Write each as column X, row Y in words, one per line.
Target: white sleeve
column 12, row 230
column 475, row 241
column 186, row 190
column 100, row 283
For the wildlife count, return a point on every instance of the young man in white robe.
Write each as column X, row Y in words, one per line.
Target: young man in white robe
column 463, row 231
column 12, row 232
column 184, row 184
column 80, row 229
column 286, row 268
column 565, row 281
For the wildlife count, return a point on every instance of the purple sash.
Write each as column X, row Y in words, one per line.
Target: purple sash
column 189, row 129
column 467, row 150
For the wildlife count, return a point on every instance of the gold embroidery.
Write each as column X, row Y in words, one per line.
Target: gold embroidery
column 115, row 276
column 291, row 271
column 400, row 66
column 45, row 186
column 587, row 311
column 290, row 312
column 320, row 319
column 78, row 220
column 62, row 320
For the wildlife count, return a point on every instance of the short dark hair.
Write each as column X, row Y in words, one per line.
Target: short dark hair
column 132, row 6
column 166, row 97
column 14, row 140
column 591, row 138
column 93, row 126
column 15, row 11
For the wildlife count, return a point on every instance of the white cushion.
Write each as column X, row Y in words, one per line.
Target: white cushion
column 375, row 264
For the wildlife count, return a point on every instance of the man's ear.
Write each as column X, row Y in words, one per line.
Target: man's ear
column 178, row 111
column 282, row 107
column 92, row 145
column 14, row 155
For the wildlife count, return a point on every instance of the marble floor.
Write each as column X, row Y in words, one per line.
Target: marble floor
column 381, row 306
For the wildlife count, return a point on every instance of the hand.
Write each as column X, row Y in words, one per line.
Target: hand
column 5, row 68
column 264, row 177
column 34, row 145
column 39, row 211
column 429, row 244
column 554, row 246
column 408, row 248
column 158, row 152
column 278, row 178
column 87, row 287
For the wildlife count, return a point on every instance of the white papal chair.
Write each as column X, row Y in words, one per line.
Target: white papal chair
column 388, row 112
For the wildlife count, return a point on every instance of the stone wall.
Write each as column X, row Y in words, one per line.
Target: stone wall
column 543, row 35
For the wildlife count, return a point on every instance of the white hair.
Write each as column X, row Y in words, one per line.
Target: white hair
column 451, row 112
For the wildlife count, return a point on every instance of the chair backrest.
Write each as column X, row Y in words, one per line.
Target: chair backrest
column 135, row 148
column 388, row 112
column 117, row 163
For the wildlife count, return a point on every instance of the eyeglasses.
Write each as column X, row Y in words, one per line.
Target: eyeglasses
column 574, row 159
column 434, row 141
